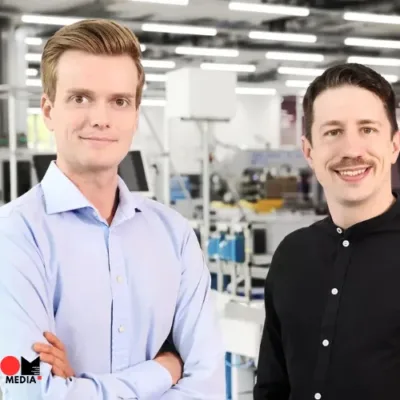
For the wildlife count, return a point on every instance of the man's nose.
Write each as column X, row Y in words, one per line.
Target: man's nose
column 353, row 144
column 99, row 116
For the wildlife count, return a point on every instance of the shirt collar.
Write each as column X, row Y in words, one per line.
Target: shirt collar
column 61, row 194
column 382, row 222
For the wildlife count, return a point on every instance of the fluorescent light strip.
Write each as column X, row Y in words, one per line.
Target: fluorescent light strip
column 153, row 102
column 269, row 9
column 374, row 18
column 34, row 57
column 48, row 20
column 180, row 29
column 376, row 43
column 206, row 51
column 319, row 71
column 33, row 41
column 34, row 110
column 381, row 61
column 32, row 72
column 300, row 71
column 155, row 78
column 286, row 56
column 256, row 91
column 297, row 83
column 228, row 67
column 283, row 37
column 166, row 2
column 33, row 82
column 165, row 64
column 391, row 78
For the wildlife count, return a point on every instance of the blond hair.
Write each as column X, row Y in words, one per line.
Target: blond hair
column 94, row 36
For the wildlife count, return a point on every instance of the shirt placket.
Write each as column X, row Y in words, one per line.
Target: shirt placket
column 329, row 319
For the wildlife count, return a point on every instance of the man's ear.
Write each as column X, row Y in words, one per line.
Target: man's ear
column 47, row 106
column 307, row 150
column 396, row 146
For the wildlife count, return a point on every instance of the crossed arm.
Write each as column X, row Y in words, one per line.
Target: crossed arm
column 24, row 304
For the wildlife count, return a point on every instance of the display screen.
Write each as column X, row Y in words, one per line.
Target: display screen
column 132, row 171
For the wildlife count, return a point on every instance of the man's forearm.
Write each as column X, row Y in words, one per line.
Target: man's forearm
column 144, row 381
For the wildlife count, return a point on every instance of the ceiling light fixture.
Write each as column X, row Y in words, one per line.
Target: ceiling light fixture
column 376, row 43
column 34, row 110
column 377, row 61
column 257, row 91
column 288, row 56
column 391, row 78
column 33, row 41
column 33, row 57
column 33, row 82
column 206, row 51
column 300, row 71
column 283, row 37
column 179, row 29
column 374, row 18
column 297, row 83
column 48, row 20
column 165, row 2
column 32, row 72
column 270, row 9
column 153, row 102
column 228, row 67
column 158, row 64
column 156, row 77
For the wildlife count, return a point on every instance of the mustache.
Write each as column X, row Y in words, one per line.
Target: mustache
column 352, row 162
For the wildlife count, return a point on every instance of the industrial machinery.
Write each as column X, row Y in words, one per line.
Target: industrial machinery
column 239, row 255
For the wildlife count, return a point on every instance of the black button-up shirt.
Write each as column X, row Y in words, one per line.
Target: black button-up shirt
column 332, row 300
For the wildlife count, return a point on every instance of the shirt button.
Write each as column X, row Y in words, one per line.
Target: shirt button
column 335, row 291
column 325, row 343
column 338, row 230
column 121, row 329
column 318, row 396
column 119, row 279
column 346, row 243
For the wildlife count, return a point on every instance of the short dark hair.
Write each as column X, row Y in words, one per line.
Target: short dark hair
column 354, row 75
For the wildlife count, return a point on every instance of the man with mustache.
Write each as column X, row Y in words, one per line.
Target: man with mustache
column 332, row 297
column 109, row 288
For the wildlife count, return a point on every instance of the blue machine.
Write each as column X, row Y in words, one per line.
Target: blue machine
column 236, row 247
column 214, row 244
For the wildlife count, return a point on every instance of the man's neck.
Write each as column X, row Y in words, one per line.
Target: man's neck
column 347, row 216
column 99, row 188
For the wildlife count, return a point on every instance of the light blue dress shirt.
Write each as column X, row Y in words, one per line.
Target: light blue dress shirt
column 112, row 294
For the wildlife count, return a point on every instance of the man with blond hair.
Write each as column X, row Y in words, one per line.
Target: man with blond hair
column 96, row 280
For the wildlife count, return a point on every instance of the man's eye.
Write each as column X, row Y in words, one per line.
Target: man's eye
column 79, row 99
column 121, row 102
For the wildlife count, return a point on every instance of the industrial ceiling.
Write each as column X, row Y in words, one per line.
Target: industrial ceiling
column 273, row 45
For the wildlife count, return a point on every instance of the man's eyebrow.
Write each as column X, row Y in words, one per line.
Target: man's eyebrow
column 332, row 122
column 368, row 122
column 90, row 93
column 359, row 122
column 124, row 94
column 80, row 91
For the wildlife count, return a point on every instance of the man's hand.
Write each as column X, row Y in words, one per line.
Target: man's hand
column 55, row 355
column 173, row 363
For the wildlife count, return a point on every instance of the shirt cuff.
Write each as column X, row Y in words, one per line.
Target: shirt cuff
column 152, row 379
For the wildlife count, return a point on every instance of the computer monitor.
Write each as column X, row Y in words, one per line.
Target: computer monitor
column 132, row 170
column 41, row 163
column 24, row 181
